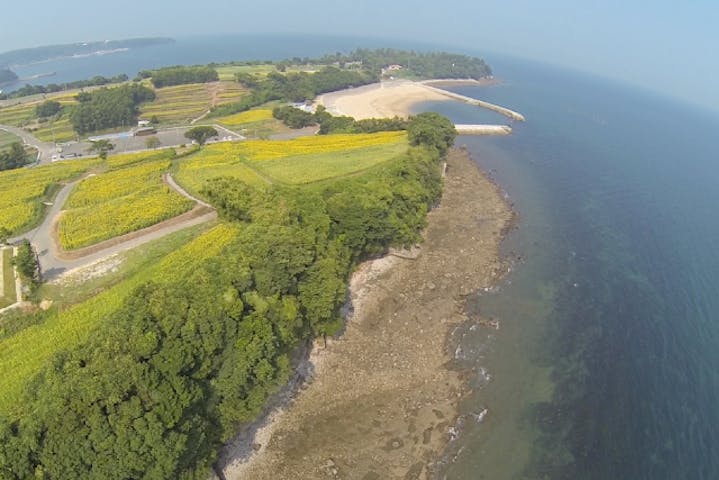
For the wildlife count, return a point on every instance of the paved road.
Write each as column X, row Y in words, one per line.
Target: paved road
column 52, row 264
column 45, row 149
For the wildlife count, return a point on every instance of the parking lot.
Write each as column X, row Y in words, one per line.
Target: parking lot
column 125, row 142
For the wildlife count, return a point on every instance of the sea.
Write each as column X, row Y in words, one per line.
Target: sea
column 605, row 364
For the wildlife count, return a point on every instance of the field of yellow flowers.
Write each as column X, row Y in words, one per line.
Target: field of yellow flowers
column 119, row 202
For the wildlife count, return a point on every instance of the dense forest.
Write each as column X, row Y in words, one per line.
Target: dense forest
column 13, row 157
column 109, row 107
column 97, row 80
column 179, row 75
column 426, row 65
column 173, row 373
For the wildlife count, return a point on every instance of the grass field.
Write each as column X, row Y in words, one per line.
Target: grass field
column 119, row 202
column 23, row 355
column 298, row 161
column 23, row 191
column 313, row 167
column 8, row 278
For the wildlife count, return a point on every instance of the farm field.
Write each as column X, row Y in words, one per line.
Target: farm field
column 183, row 103
column 118, row 202
column 227, row 72
column 23, row 191
column 125, row 159
column 23, row 354
column 23, row 115
column 257, row 123
column 298, row 161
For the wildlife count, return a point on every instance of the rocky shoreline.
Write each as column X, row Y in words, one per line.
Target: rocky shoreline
column 382, row 402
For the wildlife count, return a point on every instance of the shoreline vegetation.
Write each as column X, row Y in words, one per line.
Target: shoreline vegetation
column 380, row 401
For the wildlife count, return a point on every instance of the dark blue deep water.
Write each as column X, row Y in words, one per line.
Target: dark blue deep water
column 606, row 365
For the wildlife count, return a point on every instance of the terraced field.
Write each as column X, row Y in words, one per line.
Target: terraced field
column 119, row 202
column 23, row 191
column 23, row 115
column 23, row 354
column 299, row 161
column 183, row 103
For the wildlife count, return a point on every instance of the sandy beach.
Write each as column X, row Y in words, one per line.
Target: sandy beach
column 396, row 98
column 382, row 402
column 379, row 100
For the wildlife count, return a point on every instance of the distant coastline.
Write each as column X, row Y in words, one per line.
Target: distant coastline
column 32, row 56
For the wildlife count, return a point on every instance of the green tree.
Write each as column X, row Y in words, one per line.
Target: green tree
column 27, row 265
column 101, row 147
column 201, row 134
column 432, row 130
column 14, row 157
column 48, row 108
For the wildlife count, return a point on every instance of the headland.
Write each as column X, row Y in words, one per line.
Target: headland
column 382, row 402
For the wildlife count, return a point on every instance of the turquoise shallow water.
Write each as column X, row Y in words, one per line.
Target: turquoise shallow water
column 606, row 364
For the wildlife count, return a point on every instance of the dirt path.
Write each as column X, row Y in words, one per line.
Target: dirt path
column 45, row 149
column 54, row 261
column 383, row 403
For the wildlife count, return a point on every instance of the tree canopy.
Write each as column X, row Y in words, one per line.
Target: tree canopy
column 179, row 75
column 109, row 107
column 13, row 157
column 201, row 134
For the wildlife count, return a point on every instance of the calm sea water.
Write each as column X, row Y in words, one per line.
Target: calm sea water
column 606, row 363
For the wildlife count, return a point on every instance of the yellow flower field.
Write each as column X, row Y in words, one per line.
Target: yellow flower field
column 22, row 191
column 249, row 116
column 297, row 161
column 119, row 202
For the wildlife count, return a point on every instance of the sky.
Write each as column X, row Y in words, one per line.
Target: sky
column 667, row 46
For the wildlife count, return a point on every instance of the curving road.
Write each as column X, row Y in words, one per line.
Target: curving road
column 54, row 263
column 45, row 149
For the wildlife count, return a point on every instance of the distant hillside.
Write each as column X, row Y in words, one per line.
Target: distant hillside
column 39, row 54
column 7, row 76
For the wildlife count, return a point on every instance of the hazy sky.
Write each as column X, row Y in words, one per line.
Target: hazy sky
column 668, row 46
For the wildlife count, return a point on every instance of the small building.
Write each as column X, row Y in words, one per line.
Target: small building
column 143, row 123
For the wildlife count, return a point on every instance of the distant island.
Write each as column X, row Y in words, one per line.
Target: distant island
column 27, row 56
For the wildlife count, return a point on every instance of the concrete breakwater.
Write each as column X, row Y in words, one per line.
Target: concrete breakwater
column 480, row 103
column 479, row 129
